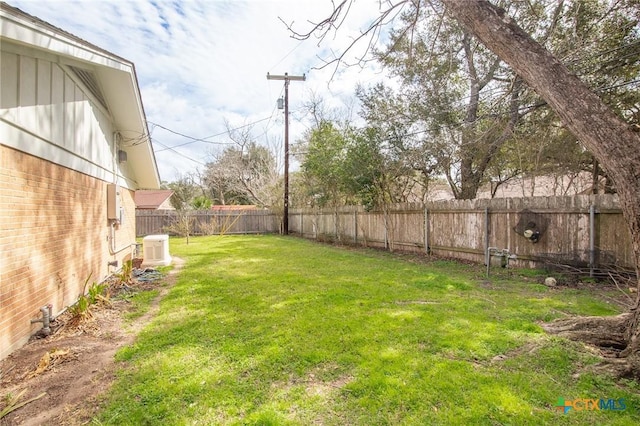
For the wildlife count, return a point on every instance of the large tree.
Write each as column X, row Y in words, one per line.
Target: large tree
column 344, row 165
column 453, row 88
column 466, row 112
column 611, row 140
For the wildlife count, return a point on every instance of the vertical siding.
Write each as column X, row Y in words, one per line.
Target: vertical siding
column 57, row 105
column 9, row 86
column 50, row 116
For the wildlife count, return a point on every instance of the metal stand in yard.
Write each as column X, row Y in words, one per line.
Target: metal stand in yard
column 504, row 255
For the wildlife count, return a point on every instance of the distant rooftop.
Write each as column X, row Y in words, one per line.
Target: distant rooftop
column 153, row 199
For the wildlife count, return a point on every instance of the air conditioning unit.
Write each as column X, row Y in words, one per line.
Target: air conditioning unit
column 155, row 249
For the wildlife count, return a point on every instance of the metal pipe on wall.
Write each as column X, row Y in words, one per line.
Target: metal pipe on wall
column 47, row 315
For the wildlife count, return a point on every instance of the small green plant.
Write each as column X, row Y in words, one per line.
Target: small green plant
column 125, row 276
column 98, row 293
column 81, row 310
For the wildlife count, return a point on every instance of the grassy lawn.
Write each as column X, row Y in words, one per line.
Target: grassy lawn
column 273, row 330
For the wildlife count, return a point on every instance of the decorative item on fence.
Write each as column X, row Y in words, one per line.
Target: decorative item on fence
column 531, row 226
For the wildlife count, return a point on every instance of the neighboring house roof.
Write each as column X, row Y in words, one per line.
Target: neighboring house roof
column 542, row 186
column 527, row 186
column 111, row 80
column 151, row 199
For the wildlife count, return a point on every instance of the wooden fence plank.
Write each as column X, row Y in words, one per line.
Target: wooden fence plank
column 458, row 228
column 209, row 222
column 455, row 228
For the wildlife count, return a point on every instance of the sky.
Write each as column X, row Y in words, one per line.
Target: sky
column 202, row 65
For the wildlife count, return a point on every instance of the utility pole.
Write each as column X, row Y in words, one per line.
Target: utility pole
column 287, row 78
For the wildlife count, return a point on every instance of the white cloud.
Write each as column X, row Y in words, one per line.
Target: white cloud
column 200, row 63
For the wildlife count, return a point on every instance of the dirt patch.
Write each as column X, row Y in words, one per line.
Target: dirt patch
column 65, row 373
column 315, row 383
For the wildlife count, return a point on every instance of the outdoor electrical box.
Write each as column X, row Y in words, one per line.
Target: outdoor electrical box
column 156, row 250
column 113, row 202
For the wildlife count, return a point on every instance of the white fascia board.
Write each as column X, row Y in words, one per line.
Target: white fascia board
column 21, row 30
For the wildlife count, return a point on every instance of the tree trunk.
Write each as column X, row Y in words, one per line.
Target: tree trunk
column 610, row 140
column 469, row 182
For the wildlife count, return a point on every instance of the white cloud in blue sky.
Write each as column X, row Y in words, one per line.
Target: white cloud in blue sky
column 200, row 63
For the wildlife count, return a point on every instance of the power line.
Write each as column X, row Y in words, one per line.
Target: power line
column 176, row 152
column 194, row 139
column 287, row 55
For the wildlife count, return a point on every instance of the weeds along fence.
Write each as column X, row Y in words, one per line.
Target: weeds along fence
column 149, row 222
column 586, row 233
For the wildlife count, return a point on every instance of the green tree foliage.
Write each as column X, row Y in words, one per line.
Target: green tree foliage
column 463, row 114
column 201, row 202
column 346, row 166
column 243, row 174
column 323, row 165
column 375, row 176
column 599, row 42
column 450, row 87
column 183, row 192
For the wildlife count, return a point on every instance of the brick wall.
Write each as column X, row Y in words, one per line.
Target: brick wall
column 54, row 234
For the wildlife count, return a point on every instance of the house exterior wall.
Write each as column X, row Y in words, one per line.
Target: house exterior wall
column 58, row 153
column 54, row 235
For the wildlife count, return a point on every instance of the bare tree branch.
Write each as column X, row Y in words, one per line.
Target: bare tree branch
column 337, row 19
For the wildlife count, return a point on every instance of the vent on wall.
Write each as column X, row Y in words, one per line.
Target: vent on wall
column 89, row 79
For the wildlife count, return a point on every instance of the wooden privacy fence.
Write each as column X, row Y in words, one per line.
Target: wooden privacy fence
column 586, row 231
column 149, row 222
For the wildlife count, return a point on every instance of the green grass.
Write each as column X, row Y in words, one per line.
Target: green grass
column 139, row 303
column 268, row 330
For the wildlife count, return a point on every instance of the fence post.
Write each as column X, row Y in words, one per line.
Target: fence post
column 487, row 257
column 426, row 231
column 592, row 238
column 386, row 228
column 355, row 226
